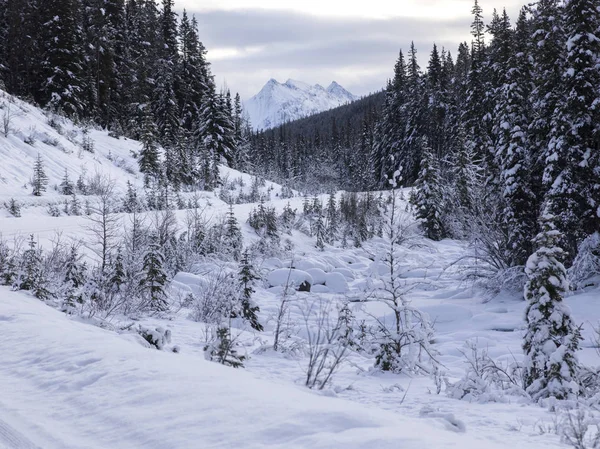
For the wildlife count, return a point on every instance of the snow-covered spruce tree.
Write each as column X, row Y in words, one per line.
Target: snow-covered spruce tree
column 320, row 233
column 13, row 207
column 222, row 349
column 31, row 274
column 148, row 157
column 232, row 240
column 513, row 115
column 61, row 56
column 154, row 280
column 428, row 197
column 552, row 339
column 40, row 180
column 66, row 187
column 333, row 219
column 73, row 281
column 390, row 129
column 247, row 308
column 8, row 264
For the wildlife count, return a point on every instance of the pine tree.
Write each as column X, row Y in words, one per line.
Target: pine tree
column 148, row 157
column 31, row 275
column 513, row 115
column 390, row 132
column 222, row 350
column 319, row 232
column 61, row 57
column 40, row 180
column 154, row 280
column 14, row 208
column 131, row 203
column 73, row 281
column 548, row 69
column 552, row 340
column 333, row 219
column 573, row 153
column 428, row 197
column 233, row 235
column 66, row 186
column 248, row 308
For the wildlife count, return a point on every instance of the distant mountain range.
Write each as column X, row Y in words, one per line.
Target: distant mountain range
column 278, row 103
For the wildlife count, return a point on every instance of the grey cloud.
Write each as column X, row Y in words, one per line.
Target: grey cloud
column 317, row 49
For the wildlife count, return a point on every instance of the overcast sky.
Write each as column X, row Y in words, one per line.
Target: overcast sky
column 317, row 41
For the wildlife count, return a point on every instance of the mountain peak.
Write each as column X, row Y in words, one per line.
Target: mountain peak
column 278, row 103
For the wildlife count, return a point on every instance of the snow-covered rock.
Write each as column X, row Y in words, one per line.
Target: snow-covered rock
column 319, row 276
column 348, row 274
column 291, row 277
column 278, row 103
column 336, row 282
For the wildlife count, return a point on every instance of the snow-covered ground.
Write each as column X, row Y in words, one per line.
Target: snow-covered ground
column 65, row 383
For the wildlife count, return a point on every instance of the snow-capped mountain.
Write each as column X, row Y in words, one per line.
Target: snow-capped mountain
column 278, row 103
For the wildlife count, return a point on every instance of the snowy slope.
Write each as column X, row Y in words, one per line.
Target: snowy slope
column 70, row 385
column 59, row 143
column 278, row 103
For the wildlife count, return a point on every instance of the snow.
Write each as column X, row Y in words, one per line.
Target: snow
column 66, row 383
column 278, row 103
column 336, row 282
column 286, row 276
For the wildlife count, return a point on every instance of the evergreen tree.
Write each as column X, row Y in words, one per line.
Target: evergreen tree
column 428, row 197
column 319, row 232
column 513, row 115
column 61, row 63
column 552, row 340
column 154, row 280
column 233, row 235
column 148, row 157
column 66, row 186
column 248, row 308
column 222, row 350
column 74, row 281
column 40, row 180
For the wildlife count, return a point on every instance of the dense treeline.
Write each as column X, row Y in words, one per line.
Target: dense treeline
column 508, row 154
column 323, row 151
column 131, row 67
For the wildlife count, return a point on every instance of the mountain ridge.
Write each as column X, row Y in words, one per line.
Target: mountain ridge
column 277, row 103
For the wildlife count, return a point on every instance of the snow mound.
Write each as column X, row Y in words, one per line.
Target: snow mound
column 290, row 277
column 336, row 282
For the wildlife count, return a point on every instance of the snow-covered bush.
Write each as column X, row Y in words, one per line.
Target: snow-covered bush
column 486, row 380
column 586, row 265
column 327, row 341
column 220, row 348
column 215, row 297
column 158, row 337
column 580, row 428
